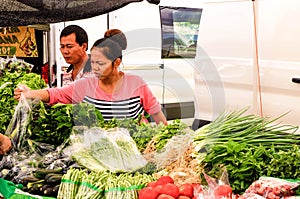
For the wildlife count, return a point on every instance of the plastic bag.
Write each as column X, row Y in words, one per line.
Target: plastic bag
column 218, row 188
column 17, row 128
column 11, row 191
column 269, row 187
column 111, row 149
column 175, row 147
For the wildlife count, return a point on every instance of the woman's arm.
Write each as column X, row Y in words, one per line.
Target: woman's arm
column 31, row 94
column 159, row 117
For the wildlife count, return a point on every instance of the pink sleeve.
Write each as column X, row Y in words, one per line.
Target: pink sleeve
column 149, row 101
column 69, row 94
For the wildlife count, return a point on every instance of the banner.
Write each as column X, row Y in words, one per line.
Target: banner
column 19, row 41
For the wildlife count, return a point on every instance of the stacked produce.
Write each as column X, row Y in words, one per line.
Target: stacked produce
column 12, row 73
column 249, row 147
column 43, row 182
column 92, row 185
column 165, row 188
column 269, row 187
column 69, row 151
column 90, row 147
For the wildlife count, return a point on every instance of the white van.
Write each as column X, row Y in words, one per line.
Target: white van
column 253, row 51
column 247, row 54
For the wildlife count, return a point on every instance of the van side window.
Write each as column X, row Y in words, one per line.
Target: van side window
column 179, row 28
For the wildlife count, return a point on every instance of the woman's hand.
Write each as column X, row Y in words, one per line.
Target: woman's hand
column 5, row 144
column 21, row 89
column 160, row 118
column 31, row 94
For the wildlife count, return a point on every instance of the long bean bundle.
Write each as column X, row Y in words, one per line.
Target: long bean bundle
column 250, row 129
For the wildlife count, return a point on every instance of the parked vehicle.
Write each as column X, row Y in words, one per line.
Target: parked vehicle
column 238, row 54
column 253, row 48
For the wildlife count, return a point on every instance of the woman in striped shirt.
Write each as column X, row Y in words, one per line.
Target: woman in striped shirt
column 115, row 93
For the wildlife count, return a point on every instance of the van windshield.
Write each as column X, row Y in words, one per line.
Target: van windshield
column 179, row 27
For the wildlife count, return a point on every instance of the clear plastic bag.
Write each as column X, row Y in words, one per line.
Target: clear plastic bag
column 17, row 128
column 101, row 149
column 175, row 147
column 269, row 187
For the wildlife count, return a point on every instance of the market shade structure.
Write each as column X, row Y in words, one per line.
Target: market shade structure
column 28, row 12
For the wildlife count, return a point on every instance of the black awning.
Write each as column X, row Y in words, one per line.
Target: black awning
column 28, row 12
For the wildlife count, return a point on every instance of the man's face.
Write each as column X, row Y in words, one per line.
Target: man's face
column 72, row 52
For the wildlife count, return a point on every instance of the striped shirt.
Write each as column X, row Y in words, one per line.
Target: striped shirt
column 128, row 108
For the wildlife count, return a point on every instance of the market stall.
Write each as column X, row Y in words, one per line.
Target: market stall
column 235, row 156
column 69, row 151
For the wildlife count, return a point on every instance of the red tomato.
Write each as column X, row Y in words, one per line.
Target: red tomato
column 148, row 193
column 165, row 196
column 164, row 180
column 151, row 184
column 183, row 197
column 170, row 189
column 186, row 189
column 158, row 188
column 223, row 191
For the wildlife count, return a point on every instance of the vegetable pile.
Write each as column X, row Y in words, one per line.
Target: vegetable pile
column 12, row 73
column 92, row 185
column 164, row 188
column 69, row 151
column 249, row 147
column 94, row 144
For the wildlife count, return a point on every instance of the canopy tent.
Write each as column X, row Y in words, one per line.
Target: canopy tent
column 28, row 12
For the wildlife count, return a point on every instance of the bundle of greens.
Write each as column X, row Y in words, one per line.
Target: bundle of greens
column 93, row 185
column 54, row 124
column 250, row 129
column 12, row 73
column 246, row 163
column 163, row 134
column 50, row 124
column 249, row 147
column 111, row 149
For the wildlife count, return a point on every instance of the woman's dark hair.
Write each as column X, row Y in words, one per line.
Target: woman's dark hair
column 80, row 34
column 110, row 48
column 117, row 36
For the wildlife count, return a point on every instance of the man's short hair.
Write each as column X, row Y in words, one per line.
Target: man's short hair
column 80, row 34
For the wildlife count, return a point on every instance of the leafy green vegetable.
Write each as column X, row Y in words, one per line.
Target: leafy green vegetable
column 167, row 132
column 13, row 73
column 251, row 129
column 245, row 163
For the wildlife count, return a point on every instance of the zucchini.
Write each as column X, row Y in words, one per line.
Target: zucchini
column 24, row 180
column 35, row 188
column 54, row 179
column 48, row 191
column 44, row 187
column 41, row 173
column 52, row 174
column 55, row 189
